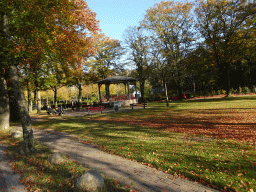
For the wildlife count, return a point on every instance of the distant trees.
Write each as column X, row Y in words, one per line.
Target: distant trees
column 211, row 49
column 106, row 61
column 227, row 28
column 170, row 24
column 138, row 45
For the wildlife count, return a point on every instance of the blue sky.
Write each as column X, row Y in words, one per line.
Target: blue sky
column 116, row 15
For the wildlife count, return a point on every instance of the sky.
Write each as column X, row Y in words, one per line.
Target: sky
column 116, row 15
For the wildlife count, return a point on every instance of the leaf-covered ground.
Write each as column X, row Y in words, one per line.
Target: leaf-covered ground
column 39, row 175
column 210, row 141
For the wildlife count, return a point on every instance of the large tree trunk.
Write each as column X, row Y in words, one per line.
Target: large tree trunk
column 23, row 111
column 4, row 104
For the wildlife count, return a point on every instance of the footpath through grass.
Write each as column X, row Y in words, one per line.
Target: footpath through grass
column 211, row 141
column 40, row 175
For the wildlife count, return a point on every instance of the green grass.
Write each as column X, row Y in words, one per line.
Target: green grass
column 40, row 175
column 211, row 141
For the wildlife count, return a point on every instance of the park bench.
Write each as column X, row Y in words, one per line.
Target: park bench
column 138, row 104
column 99, row 108
column 50, row 111
column 60, row 110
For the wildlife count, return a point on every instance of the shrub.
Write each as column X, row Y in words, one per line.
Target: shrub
column 140, row 100
column 188, row 95
column 223, row 91
column 246, row 90
column 254, row 89
column 240, row 90
column 233, row 91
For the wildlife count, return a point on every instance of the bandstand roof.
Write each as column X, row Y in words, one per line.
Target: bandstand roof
column 116, row 80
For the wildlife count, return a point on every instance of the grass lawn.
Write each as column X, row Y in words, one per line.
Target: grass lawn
column 211, row 141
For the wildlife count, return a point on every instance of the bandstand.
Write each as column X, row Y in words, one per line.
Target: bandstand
column 124, row 101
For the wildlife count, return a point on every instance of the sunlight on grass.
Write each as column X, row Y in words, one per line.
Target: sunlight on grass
column 211, row 141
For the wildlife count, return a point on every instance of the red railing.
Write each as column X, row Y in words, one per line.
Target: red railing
column 121, row 97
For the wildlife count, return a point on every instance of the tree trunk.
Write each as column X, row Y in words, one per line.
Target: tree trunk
column 79, row 92
column 38, row 102
column 29, row 97
column 55, row 96
column 4, row 105
column 166, row 94
column 142, row 89
column 228, row 81
column 30, row 105
column 180, row 93
column 35, row 98
column 23, row 111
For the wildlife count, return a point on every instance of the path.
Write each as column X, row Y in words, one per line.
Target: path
column 128, row 172
column 9, row 182
column 83, row 112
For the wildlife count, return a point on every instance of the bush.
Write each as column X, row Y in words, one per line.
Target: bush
column 246, row 90
column 240, row 90
column 155, row 97
column 140, row 100
column 220, row 92
column 233, row 91
column 189, row 95
column 254, row 89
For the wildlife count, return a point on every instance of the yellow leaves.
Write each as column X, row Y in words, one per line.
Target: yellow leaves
column 239, row 174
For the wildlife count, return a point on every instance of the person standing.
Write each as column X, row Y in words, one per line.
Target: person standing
column 72, row 105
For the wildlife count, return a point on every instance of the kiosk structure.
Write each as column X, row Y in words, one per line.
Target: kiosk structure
column 116, row 80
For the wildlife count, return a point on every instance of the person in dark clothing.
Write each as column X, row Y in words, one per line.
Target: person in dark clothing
column 72, row 105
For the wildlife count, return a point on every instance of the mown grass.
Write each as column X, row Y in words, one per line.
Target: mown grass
column 40, row 175
column 211, row 141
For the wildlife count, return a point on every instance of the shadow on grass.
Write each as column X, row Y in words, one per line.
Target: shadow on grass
column 123, row 134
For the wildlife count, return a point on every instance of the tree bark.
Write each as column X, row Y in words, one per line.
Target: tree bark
column 30, row 105
column 228, row 81
column 4, row 105
column 166, row 94
column 38, row 102
column 79, row 92
column 29, row 98
column 55, row 96
column 23, row 111
column 35, row 98
column 180, row 93
column 142, row 90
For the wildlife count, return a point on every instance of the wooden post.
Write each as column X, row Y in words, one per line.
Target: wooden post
column 136, row 90
column 128, row 91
